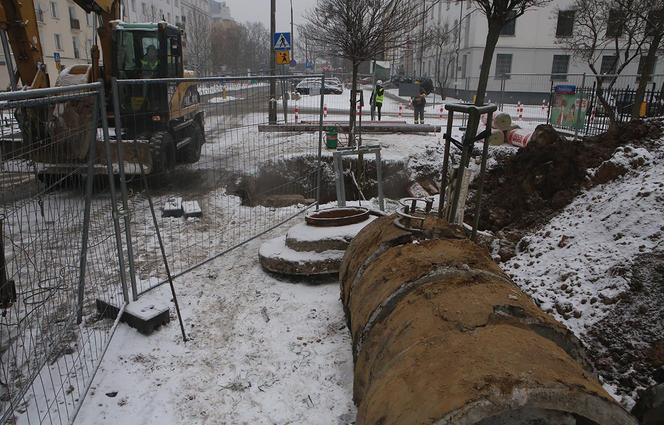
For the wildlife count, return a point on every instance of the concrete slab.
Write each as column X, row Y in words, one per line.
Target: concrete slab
column 276, row 257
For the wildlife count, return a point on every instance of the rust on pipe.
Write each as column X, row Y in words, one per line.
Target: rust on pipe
column 442, row 336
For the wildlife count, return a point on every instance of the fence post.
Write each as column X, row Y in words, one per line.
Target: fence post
column 578, row 111
column 320, row 142
column 88, row 205
column 123, row 185
column 111, row 185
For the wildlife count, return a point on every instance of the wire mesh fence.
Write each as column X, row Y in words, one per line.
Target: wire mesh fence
column 219, row 168
column 59, row 252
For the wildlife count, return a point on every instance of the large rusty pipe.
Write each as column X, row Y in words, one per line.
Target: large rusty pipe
column 442, row 336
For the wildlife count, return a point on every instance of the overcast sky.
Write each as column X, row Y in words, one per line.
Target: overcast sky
column 259, row 11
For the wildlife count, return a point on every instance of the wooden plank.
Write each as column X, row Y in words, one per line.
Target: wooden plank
column 366, row 128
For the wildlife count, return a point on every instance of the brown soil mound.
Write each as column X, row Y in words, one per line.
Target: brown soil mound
column 526, row 189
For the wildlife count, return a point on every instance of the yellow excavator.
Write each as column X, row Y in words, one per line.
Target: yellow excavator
column 162, row 122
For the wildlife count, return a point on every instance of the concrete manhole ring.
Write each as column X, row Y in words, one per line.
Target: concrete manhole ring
column 340, row 216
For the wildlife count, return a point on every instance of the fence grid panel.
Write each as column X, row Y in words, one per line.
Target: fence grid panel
column 246, row 176
column 59, row 254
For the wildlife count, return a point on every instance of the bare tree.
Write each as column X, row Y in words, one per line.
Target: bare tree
column 652, row 13
column 198, row 48
column 359, row 30
column 439, row 39
column 601, row 27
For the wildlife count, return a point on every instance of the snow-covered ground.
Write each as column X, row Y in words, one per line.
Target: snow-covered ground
column 262, row 351
column 266, row 350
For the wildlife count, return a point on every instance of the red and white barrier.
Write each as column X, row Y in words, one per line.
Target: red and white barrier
column 325, row 110
column 400, row 110
column 359, row 109
column 441, row 112
column 519, row 110
column 519, row 137
column 297, row 113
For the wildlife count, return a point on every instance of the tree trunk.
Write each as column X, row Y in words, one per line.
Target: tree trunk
column 490, row 46
column 491, row 41
column 648, row 69
column 353, row 105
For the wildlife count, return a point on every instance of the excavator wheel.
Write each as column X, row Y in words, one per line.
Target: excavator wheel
column 192, row 152
column 162, row 148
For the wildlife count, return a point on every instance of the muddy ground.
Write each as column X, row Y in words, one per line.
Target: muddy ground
column 524, row 191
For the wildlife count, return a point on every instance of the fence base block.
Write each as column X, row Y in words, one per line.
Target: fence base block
column 145, row 318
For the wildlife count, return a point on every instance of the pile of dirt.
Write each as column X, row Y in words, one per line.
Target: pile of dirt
column 525, row 190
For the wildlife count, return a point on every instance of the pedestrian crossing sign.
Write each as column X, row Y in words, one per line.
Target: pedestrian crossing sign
column 281, row 41
column 283, row 58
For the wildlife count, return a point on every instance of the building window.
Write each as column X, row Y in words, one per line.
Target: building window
column 608, row 65
column 133, row 5
column 565, row 23
column 88, row 20
column 88, row 48
column 642, row 65
column 73, row 22
column 560, row 67
column 77, row 52
column 614, row 27
column 510, row 26
column 58, row 41
column 176, row 3
column 503, row 66
column 54, row 10
column 40, row 13
column 652, row 19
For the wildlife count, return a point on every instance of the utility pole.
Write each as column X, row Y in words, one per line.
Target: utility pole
column 273, row 64
column 292, row 33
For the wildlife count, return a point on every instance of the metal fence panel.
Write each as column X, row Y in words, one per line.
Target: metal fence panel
column 58, row 254
column 247, row 177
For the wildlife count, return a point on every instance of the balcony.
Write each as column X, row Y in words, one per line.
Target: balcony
column 75, row 24
column 40, row 16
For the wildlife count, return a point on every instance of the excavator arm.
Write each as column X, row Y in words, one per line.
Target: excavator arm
column 18, row 19
column 107, row 11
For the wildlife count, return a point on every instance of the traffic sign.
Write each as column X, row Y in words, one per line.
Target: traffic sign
column 281, row 41
column 283, row 58
column 293, row 62
column 56, row 57
column 309, row 65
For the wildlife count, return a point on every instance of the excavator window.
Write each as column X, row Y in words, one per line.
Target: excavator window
column 138, row 55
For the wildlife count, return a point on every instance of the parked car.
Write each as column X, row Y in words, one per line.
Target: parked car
column 308, row 85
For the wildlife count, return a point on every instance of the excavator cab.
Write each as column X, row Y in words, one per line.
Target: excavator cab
column 146, row 51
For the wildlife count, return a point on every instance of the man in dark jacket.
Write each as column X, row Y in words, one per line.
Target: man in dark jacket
column 377, row 97
column 419, row 102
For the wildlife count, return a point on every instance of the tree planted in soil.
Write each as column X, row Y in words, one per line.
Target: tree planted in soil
column 498, row 13
column 360, row 30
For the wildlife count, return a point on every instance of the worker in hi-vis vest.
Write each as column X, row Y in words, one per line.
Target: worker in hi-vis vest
column 377, row 97
column 150, row 62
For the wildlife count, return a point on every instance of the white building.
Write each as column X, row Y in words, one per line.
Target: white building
column 528, row 45
column 65, row 29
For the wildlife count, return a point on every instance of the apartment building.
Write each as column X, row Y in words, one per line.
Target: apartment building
column 65, row 29
column 531, row 44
